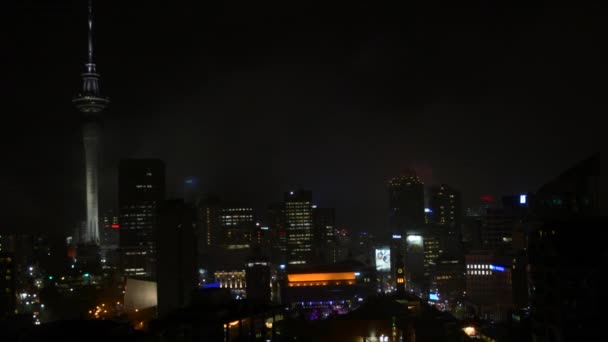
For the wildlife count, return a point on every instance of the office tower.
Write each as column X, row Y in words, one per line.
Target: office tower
column 446, row 208
column 448, row 280
column 299, row 224
column 141, row 186
column 208, row 215
column 176, row 255
column 91, row 104
column 432, row 252
column 7, row 285
column 324, row 234
column 109, row 238
column 406, row 202
column 237, row 226
column 257, row 277
column 278, row 232
column 489, row 284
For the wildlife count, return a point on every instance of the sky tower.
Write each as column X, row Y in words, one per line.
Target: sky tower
column 91, row 104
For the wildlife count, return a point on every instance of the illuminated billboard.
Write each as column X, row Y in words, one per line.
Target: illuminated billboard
column 414, row 244
column 383, row 259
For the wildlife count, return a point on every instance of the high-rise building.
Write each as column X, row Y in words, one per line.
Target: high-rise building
column 208, row 215
column 176, row 255
column 299, row 224
column 109, row 237
column 324, row 234
column 278, row 233
column 91, row 104
column 406, row 202
column 141, row 186
column 446, row 208
column 257, row 277
column 7, row 285
column 489, row 284
column 237, row 226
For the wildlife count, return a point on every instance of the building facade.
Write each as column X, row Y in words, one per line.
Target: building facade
column 141, row 187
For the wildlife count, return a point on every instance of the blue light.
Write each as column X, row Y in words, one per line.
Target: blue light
column 282, row 266
column 428, row 210
column 396, row 236
column 433, row 296
column 497, row 268
column 523, row 199
column 357, row 274
column 214, row 285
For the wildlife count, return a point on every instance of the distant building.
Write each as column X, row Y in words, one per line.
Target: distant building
column 278, row 233
column 446, row 208
column 176, row 255
column 406, row 202
column 257, row 278
column 208, row 227
column 110, row 237
column 299, row 225
column 448, row 278
column 7, row 285
column 324, row 234
column 234, row 279
column 489, row 288
column 237, row 226
column 141, row 187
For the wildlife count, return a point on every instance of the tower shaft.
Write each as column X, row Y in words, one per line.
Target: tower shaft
column 90, row 133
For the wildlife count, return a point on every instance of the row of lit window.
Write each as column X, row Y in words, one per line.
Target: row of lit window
column 480, row 272
column 482, row 266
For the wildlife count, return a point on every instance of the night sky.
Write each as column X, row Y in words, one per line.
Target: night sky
column 253, row 99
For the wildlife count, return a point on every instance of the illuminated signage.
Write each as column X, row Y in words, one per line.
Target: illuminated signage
column 115, row 226
column 321, row 276
column 523, row 199
column 383, row 259
column 396, row 236
column 433, row 296
column 428, row 210
column 497, row 268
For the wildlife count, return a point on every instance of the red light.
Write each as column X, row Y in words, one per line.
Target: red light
column 115, row 226
column 488, row 198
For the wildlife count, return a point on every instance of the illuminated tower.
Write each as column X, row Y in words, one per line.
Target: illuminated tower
column 299, row 223
column 91, row 104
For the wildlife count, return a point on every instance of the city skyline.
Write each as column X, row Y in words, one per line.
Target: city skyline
column 327, row 102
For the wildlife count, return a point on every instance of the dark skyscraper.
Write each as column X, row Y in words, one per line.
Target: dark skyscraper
column 446, row 207
column 91, row 104
column 141, row 186
column 208, row 215
column 406, row 202
column 324, row 234
column 298, row 220
column 7, row 284
column 176, row 252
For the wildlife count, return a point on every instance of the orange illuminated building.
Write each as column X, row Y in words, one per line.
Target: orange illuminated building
column 321, row 279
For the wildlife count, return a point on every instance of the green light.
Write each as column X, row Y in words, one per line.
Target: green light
column 86, row 275
column 50, row 277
